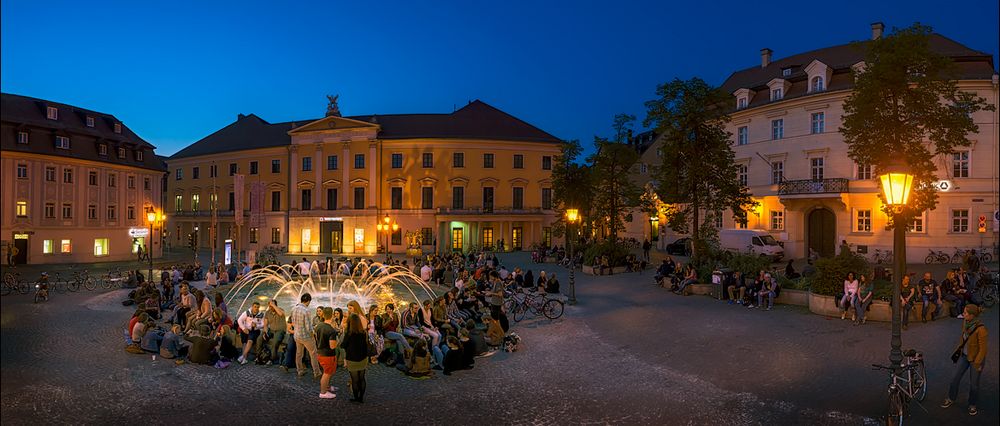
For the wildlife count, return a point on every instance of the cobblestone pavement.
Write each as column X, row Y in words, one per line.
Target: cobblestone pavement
column 629, row 353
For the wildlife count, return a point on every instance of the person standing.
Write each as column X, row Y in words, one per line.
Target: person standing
column 326, row 348
column 646, row 245
column 301, row 324
column 356, row 349
column 303, row 267
column 972, row 353
column 274, row 317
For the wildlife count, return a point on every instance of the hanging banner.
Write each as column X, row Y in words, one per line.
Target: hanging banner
column 256, row 205
column 238, row 199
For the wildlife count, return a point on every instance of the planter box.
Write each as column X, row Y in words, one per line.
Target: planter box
column 590, row 270
column 878, row 311
column 823, row 305
column 793, row 297
column 701, row 289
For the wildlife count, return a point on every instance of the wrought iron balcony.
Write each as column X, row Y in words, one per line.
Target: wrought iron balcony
column 482, row 210
column 811, row 186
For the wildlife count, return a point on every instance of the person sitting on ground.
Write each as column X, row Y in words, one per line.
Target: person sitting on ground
column 528, row 280
column 251, row 323
column 175, row 275
column 172, row 346
column 167, row 296
column 468, row 349
column 202, row 349
column 690, row 277
column 152, row 338
column 202, row 312
column 138, row 327
column 737, row 288
column 454, row 359
column 790, row 271
column 418, row 364
column 229, row 343
column 211, row 278
column 494, row 332
column 220, row 303
column 552, row 285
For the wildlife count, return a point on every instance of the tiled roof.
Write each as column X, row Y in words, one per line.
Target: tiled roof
column 970, row 64
column 29, row 113
column 477, row 120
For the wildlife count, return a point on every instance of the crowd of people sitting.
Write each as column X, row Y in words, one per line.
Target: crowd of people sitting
column 446, row 333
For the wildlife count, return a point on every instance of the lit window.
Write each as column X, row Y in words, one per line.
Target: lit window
column 21, row 209
column 100, row 246
column 253, row 235
column 52, row 113
column 178, row 202
column 195, row 201
column 777, row 220
column 817, row 123
column 960, row 164
column 22, row 171
column 960, row 220
column 65, row 246
column 862, row 221
column 275, row 235
column 777, row 129
column 62, row 142
column 47, row 247
column 90, row 121
column 22, row 137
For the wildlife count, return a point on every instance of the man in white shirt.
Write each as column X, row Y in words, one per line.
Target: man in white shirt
column 425, row 272
column 251, row 322
column 303, row 267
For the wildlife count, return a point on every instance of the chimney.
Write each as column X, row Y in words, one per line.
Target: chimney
column 240, row 116
column 765, row 57
column 877, row 28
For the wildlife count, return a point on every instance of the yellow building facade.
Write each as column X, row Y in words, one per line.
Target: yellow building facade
column 448, row 182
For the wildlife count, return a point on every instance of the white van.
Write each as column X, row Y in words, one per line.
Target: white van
column 752, row 241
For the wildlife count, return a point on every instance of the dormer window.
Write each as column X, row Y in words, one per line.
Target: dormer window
column 118, row 127
column 121, row 152
column 102, row 149
column 785, row 72
column 778, row 87
column 816, row 85
column 62, row 142
column 90, row 121
column 776, row 94
column 52, row 113
column 741, row 103
column 22, row 137
column 138, row 155
column 743, row 97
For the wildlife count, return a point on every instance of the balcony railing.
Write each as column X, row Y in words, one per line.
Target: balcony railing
column 207, row 213
column 811, row 186
column 495, row 210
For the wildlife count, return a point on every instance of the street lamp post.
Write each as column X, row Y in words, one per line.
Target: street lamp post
column 571, row 216
column 896, row 184
column 388, row 226
column 151, row 217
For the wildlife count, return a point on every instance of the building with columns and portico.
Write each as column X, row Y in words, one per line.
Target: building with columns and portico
column 456, row 181
column 784, row 123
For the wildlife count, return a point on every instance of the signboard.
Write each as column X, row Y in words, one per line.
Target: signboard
column 229, row 252
column 331, row 219
column 138, row 232
column 943, row 185
column 20, row 236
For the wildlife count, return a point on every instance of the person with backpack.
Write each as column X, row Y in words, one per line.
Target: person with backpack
column 971, row 352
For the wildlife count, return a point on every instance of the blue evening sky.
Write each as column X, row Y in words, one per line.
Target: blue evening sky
column 175, row 71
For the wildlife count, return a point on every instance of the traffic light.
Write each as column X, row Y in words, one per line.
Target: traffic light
column 982, row 224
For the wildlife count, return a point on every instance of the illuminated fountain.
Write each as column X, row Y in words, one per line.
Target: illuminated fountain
column 370, row 282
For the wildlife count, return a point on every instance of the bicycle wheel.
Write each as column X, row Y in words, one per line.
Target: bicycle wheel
column 990, row 296
column 986, row 258
column 106, row 283
column 519, row 310
column 89, row 284
column 37, row 297
column 552, row 309
column 73, row 286
column 509, row 304
column 22, row 287
column 60, row 286
column 918, row 379
column 929, row 260
column 896, row 409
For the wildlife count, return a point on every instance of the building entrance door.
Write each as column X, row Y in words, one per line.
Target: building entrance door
column 331, row 237
column 822, row 230
column 516, row 237
column 20, row 251
column 457, row 235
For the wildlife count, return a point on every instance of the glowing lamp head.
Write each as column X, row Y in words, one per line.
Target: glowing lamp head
column 572, row 215
column 896, row 185
column 151, row 216
column 395, row 227
column 378, row 227
column 386, row 219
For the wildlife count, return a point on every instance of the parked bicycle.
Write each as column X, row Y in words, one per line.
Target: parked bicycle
column 936, row 256
column 113, row 279
column 909, row 383
column 12, row 283
column 987, row 291
column 880, row 256
column 83, row 279
column 538, row 304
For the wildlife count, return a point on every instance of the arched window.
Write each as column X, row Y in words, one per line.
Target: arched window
column 817, row 84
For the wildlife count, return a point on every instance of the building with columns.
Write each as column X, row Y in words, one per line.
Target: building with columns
column 785, row 120
column 76, row 185
column 456, row 181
